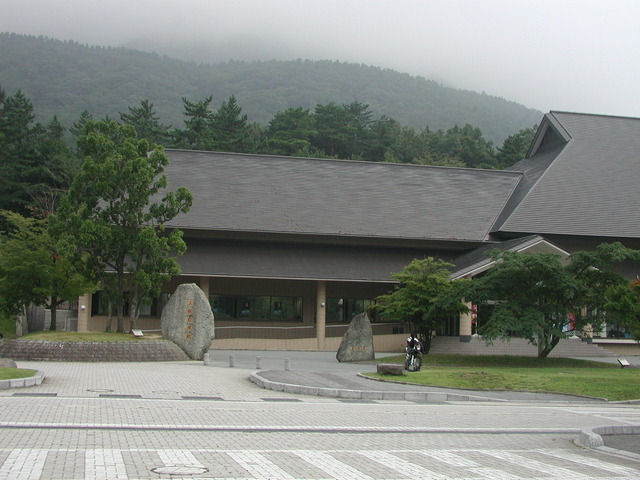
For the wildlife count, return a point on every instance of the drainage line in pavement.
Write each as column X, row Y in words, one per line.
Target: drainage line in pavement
column 254, row 429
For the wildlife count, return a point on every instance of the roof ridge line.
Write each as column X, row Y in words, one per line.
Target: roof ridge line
column 338, row 160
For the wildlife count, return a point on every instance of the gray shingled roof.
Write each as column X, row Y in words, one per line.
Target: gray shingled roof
column 252, row 193
column 589, row 186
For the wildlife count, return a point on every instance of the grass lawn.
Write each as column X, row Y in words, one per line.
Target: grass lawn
column 551, row 375
column 11, row 373
column 88, row 337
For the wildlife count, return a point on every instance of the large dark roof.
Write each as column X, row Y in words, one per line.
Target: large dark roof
column 581, row 178
column 266, row 194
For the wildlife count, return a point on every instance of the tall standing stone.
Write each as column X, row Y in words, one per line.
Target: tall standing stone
column 357, row 343
column 187, row 320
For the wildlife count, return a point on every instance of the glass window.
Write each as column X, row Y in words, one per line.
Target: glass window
column 259, row 308
column 223, row 306
column 245, row 307
column 342, row 310
column 286, row 308
column 161, row 301
column 145, row 309
column 100, row 305
column 335, row 310
column 356, row 307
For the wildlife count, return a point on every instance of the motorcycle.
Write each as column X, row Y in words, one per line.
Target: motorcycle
column 413, row 360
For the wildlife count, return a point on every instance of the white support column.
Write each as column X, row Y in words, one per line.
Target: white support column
column 465, row 323
column 321, row 313
column 84, row 312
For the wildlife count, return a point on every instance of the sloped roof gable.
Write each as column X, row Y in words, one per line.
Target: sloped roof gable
column 586, row 186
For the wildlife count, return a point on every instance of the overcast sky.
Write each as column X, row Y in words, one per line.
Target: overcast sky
column 572, row 55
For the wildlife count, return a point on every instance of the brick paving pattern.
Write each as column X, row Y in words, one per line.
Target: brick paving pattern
column 134, row 464
column 184, row 420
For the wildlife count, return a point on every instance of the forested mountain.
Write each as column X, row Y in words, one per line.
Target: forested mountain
column 66, row 78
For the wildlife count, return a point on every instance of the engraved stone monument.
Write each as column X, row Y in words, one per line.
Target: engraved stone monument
column 187, row 320
column 357, row 343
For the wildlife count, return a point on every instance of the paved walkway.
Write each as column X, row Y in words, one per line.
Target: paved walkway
column 320, row 374
column 286, row 374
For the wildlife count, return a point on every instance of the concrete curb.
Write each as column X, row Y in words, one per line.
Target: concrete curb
column 592, row 438
column 399, row 382
column 22, row 382
column 366, row 394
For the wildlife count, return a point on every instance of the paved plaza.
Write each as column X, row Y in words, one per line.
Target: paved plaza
column 187, row 420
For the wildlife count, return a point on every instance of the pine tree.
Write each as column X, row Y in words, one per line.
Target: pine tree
column 146, row 122
column 198, row 132
column 20, row 163
column 230, row 130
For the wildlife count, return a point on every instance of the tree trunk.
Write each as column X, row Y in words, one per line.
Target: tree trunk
column 134, row 311
column 22, row 327
column 427, row 343
column 54, row 317
column 120, row 326
column 109, row 316
column 120, row 302
column 544, row 347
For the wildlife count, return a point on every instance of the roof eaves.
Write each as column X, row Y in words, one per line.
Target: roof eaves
column 486, row 263
column 328, row 235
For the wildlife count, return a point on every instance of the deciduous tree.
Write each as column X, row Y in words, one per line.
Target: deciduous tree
column 37, row 268
column 424, row 297
column 536, row 296
column 117, row 214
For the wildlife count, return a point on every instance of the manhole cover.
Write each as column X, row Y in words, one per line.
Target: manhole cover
column 179, row 470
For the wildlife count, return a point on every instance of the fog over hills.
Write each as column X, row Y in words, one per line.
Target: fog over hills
column 567, row 55
column 65, row 78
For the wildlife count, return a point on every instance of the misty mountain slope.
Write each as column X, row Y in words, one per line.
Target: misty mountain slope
column 66, row 77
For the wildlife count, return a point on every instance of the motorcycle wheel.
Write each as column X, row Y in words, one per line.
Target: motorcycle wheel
column 415, row 363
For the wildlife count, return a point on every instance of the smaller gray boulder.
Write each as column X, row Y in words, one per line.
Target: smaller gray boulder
column 390, row 369
column 7, row 363
column 187, row 320
column 357, row 343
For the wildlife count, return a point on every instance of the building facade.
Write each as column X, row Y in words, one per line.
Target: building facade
column 290, row 249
